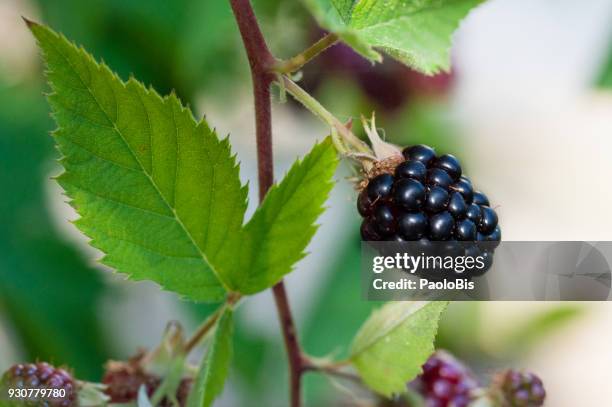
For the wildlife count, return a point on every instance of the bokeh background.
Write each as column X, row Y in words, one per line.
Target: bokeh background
column 526, row 108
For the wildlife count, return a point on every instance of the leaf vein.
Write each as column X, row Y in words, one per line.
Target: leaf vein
column 107, row 198
column 135, row 157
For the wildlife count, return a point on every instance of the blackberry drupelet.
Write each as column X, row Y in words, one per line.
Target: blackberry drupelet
column 445, row 382
column 42, row 376
column 427, row 197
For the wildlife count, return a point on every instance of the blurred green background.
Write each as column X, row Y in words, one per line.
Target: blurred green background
column 57, row 305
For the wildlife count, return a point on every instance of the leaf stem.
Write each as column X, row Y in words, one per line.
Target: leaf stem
column 261, row 62
column 322, row 113
column 334, row 369
column 209, row 323
column 341, row 374
column 297, row 62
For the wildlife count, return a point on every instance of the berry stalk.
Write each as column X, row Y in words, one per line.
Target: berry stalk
column 318, row 110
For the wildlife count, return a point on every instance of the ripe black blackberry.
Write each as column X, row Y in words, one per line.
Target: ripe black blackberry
column 445, row 382
column 427, row 198
column 520, row 389
column 41, row 376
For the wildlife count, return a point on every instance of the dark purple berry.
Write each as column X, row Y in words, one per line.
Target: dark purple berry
column 41, row 376
column 466, row 230
column 441, row 226
column 123, row 381
column 457, row 206
column 412, row 226
column 409, row 194
column 445, row 382
column 411, row 169
column 480, row 198
column 474, row 213
column 436, row 199
column 420, row 152
column 521, row 389
column 384, row 219
column 364, row 204
column 380, row 187
column 437, row 176
column 488, row 222
column 464, row 187
column 44, row 371
column 450, row 164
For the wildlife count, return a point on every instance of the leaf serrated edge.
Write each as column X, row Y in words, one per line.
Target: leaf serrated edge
column 321, row 148
column 172, row 99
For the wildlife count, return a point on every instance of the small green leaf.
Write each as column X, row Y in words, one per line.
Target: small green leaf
column 415, row 32
column 215, row 364
column 281, row 228
column 157, row 192
column 394, row 342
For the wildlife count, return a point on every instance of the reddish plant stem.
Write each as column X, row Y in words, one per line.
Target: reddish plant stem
column 297, row 362
column 261, row 62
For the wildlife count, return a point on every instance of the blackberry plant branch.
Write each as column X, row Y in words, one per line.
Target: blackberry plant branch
column 261, row 61
column 297, row 360
column 297, row 62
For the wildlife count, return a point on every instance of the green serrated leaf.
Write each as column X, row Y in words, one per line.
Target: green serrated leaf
column 157, row 192
column 418, row 33
column 281, row 228
column 215, row 365
column 393, row 344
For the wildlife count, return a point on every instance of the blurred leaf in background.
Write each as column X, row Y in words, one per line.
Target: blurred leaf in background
column 181, row 45
column 337, row 316
column 604, row 74
column 532, row 332
column 47, row 291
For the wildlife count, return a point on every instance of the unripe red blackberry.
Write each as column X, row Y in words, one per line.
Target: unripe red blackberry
column 124, row 379
column 445, row 382
column 521, row 389
column 59, row 385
